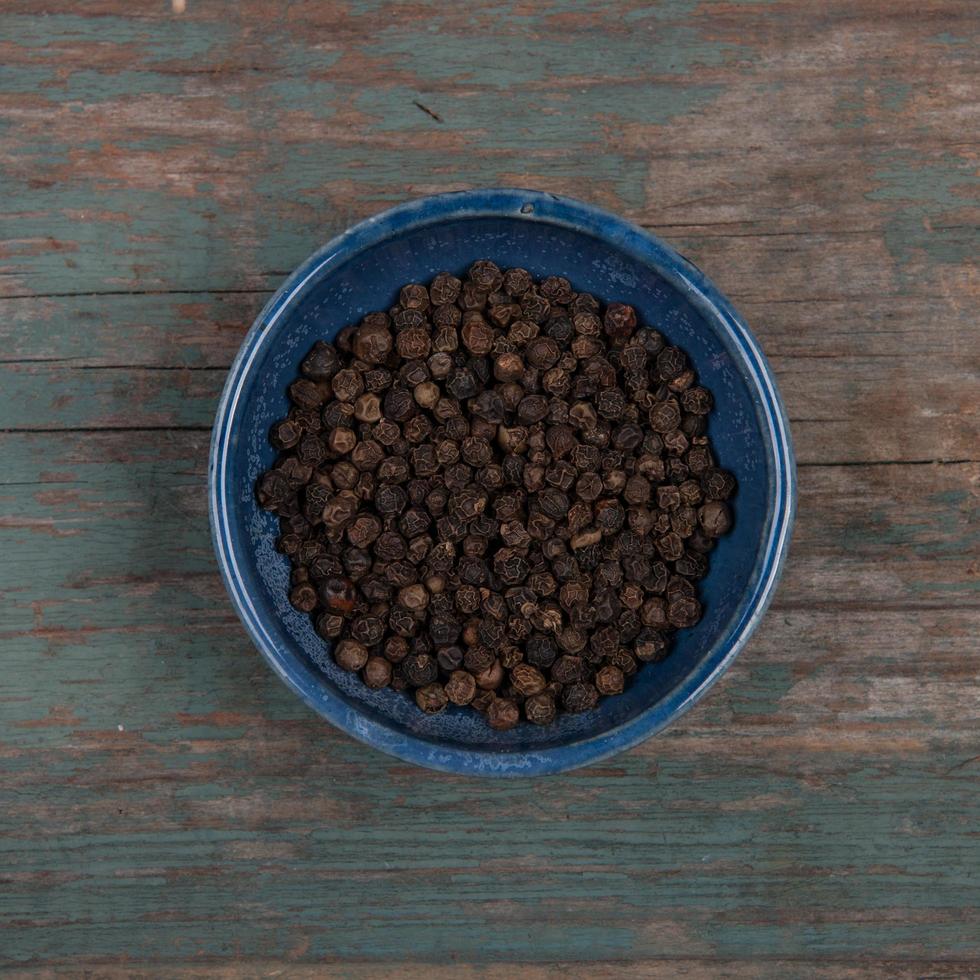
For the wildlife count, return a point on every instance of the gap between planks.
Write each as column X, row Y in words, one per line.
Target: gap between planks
column 912, row 966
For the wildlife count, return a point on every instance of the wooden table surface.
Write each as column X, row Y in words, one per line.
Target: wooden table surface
column 167, row 806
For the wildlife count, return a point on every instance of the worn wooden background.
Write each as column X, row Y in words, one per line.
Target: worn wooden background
column 166, row 804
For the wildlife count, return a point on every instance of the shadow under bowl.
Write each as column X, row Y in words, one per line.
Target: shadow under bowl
column 600, row 253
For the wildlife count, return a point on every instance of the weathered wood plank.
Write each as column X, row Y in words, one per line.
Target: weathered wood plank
column 201, row 330
column 667, row 968
column 668, row 851
column 126, row 511
column 644, row 969
column 63, row 368
column 185, row 119
column 932, row 416
column 133, row 330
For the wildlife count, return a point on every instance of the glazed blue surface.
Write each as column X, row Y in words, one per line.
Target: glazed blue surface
column 600, row 253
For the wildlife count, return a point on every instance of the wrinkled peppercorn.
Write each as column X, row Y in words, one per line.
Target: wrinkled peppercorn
column 540, row 709
column 579, row 697
column 420, row 669
column 432, row 698
column 461, row 687
column 350, row 655
column 502, row 714
column 377, row 672
column 609, row 680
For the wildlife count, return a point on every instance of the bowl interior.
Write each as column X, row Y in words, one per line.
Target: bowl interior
column 368, row 280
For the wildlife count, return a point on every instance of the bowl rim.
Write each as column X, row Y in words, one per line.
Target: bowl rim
column 684, row 276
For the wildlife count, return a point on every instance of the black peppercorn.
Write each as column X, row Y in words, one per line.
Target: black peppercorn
column 609, row 680
column 540, row 709
column 432, row 698
column 377, row 672
column 502, row 713
column 420, row 669
column 350, row 655
column 461, row 687
column 579, row 697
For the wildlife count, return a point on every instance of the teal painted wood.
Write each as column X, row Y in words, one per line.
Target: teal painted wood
column 135, row 360
column 166, row 806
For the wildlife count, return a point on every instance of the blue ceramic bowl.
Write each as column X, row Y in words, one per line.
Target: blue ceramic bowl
column 362, row 271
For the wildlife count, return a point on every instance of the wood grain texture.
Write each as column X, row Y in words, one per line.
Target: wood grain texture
column 168, row 808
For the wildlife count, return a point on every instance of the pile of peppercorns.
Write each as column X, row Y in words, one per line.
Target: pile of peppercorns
column 497, row 494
